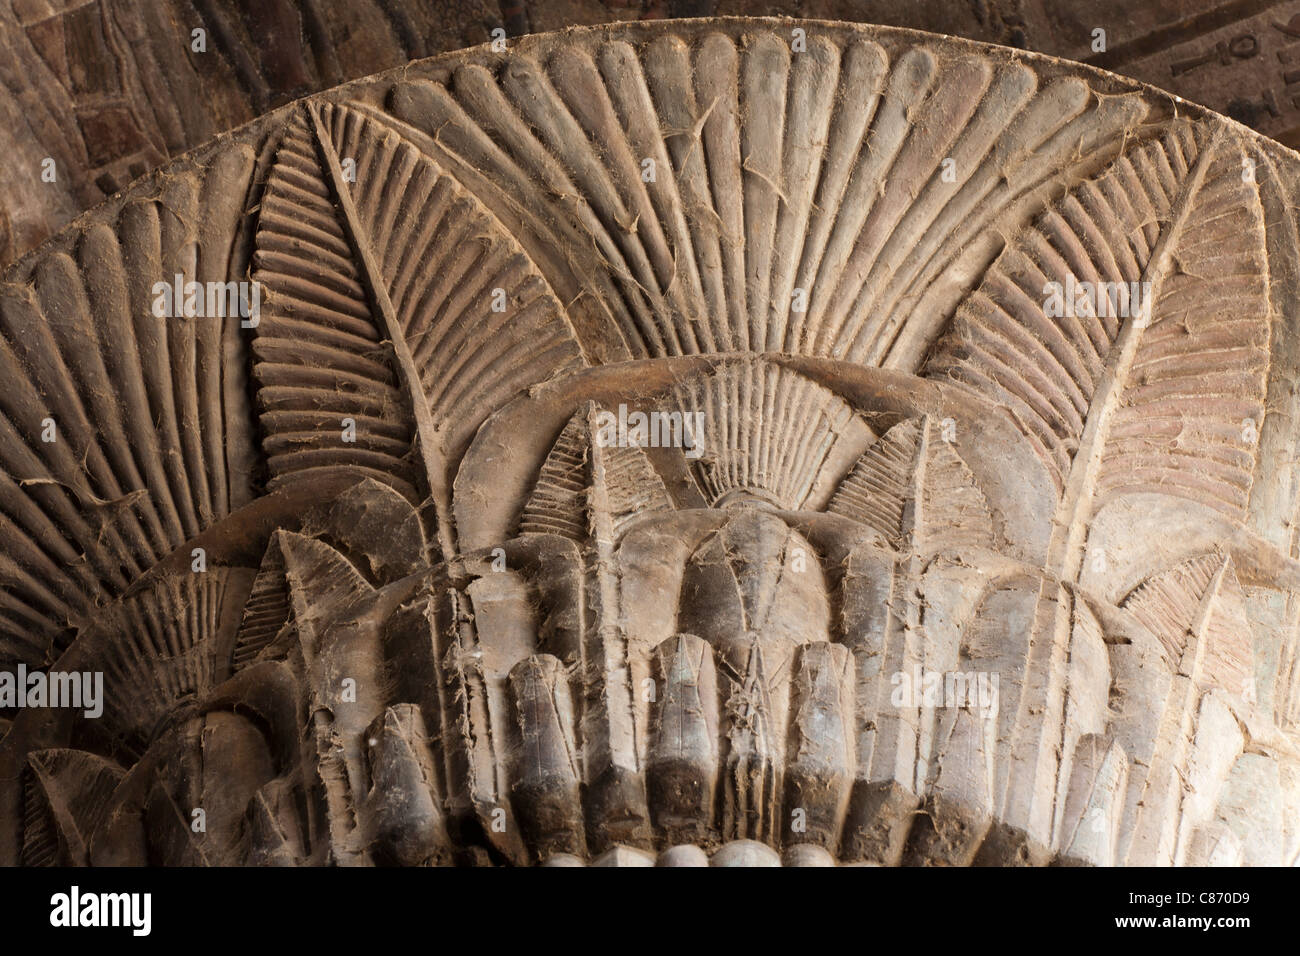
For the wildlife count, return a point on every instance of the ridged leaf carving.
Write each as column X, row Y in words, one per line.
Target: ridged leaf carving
column 775, row 220
column 825, row 267
column 570, row 485
column 911, row 484
column 148, row 446
column 388, row 320
column 1120, row 402
column 1198, row 612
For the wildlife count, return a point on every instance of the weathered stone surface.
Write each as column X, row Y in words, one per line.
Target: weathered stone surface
column 98, row 92
column 961, row 534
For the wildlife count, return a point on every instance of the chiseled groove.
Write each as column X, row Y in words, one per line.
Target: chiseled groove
column 63, row 304
column 487, row 116
column 397, row 197
column 995, row 338
column 297, row 422
column 494, row 365
column 287, row 229
column 281, row 398
column 986, row 374
column 183, row 495
column 50, row 517
column 981, row 194
column 39, row 527
column 947, row 115
column 1108, row 204
column 265, row 613
column 449, row 259
column 1092, row 340
column 315, row 215
column 328, row 279
column 1171, row 602
column 340, row 311
column 16, row 623
column 629, row 93
column 146, row 372
column 40, row 836
column 1023, row 284
column 667, row 77
column 762, row 89
column 187, row 473
column 44, row 583
column 1021, row 321
column 423, row 201
column 813, row 84
column 468, row 277
column 1135, row 196
column 816, row 446
column 1222, row 454
column 910, row 82
column 292, row 328
column 414, row 273
column 1093, row 130
column 1099, row 243
column 618, row 61
column 23, row 400
column 1002, row 101
column 716, row 64
column 1226, row 498
column 353, row 470
column 876, row 489
column 287, row 352
column 1062, row 237
column 532, row 97
column 542, row 356
column 578, row 86
column 864, row 73
column 278, row 373
column 1213, row 473
column 168, row 514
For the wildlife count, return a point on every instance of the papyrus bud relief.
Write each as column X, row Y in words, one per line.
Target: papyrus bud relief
column 666, row 444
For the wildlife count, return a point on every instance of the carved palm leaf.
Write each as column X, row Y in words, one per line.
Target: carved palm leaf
column 1158, row 400
column 397, row 302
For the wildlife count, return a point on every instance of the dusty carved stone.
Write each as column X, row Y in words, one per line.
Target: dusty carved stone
column 94, row 93
column 728, row 443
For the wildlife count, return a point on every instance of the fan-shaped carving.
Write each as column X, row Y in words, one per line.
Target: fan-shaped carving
column 123, row 431
column 835, row 611
column 767, row 431
column 772, row 219
column 163, row 646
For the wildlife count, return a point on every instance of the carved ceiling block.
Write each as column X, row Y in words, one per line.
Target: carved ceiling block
column 723, row 443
